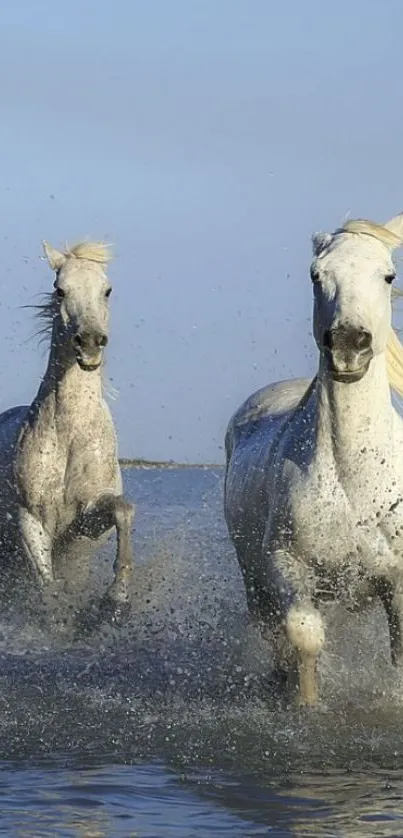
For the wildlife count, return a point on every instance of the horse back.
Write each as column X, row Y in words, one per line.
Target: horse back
column 266, row 410
column 250, row 436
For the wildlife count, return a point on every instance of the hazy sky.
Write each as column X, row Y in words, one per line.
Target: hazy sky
column 207, row 139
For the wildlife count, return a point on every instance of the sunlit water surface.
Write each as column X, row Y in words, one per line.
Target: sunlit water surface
column 169, row 727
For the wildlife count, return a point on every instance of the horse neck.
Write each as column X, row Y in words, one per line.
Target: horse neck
column 66, row 389
column 355, row 419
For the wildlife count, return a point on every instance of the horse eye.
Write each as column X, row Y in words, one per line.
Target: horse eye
column 108, row 292
column 59, row 291
column 389, row 278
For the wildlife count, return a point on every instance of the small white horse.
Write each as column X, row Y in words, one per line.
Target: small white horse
column 60, row 480
column 314, row 478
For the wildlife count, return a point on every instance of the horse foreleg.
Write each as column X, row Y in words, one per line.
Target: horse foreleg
column 299, row 635
column 304, row 628
column 37, row 546
column 120, row 589
column 106, row 512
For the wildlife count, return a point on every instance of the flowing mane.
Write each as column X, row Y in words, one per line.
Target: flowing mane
column 44, row 313
column 362, row 227
column 91, row 251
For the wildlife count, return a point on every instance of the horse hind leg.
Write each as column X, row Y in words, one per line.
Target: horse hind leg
column 392, row 602
column 246, row 564
column 253, row 596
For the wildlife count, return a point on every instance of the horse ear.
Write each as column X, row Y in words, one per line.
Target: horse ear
column 55, row 258
column 320, row 241
column 395, row 225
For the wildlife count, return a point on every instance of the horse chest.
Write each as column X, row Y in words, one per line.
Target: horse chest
column 332, row 523
column 90, row 470
column 59, row 474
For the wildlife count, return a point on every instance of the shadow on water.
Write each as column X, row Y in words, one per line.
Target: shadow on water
column 183, row 691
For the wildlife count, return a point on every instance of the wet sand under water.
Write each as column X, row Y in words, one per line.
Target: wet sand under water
column 168, row 727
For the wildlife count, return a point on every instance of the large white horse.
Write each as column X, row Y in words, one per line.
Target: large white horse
column 314, row 479
column 60, row 481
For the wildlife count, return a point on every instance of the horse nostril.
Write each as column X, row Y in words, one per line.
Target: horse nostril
column 90, row 341
column 364, row 339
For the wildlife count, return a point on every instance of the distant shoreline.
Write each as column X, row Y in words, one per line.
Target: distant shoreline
column 141, row 463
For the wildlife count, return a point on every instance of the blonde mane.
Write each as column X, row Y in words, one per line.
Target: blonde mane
column 394, row 347
column 362, row 227
column 91, row 251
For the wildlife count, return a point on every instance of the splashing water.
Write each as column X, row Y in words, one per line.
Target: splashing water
column 187, row 683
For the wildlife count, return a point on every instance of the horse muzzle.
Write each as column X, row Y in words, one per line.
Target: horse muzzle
column 348, row 351
column 89, row 349
column 88, row 364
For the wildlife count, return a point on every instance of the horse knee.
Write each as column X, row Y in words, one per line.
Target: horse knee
column 305, row 630
column 124, row 512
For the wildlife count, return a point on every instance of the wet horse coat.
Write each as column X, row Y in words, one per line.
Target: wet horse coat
column 314, row 478
column 60, row 481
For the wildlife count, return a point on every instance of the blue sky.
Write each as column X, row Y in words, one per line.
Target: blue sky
column 207, row 139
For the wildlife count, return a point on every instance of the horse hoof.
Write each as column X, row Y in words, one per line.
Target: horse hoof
column 113, row 610
column 108, row 610
column 86, row 620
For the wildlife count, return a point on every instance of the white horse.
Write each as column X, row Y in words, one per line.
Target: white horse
column 314, row 478
column 60, row 481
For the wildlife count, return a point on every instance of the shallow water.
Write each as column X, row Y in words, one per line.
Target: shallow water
column 168, row 727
